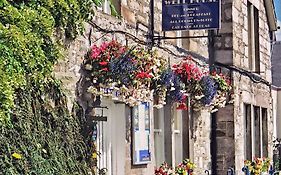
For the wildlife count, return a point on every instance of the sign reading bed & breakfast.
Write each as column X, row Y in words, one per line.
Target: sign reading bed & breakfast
column 190, row 14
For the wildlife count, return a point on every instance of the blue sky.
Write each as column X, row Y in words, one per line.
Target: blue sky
column 278, row 13
column 278, row 8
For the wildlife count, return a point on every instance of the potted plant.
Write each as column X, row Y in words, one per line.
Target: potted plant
column 257, row 166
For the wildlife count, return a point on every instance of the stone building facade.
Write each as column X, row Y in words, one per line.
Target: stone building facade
column 244, row 130
column 117, row 157
column 227, row 126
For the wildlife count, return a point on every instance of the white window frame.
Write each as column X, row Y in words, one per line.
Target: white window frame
column 253, row 137
column 253, row 38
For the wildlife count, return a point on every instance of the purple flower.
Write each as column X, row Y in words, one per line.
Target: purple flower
column 122, row 69
column 209, row 89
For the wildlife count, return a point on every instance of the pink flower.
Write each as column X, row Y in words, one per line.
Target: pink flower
column 184, row 97
column 103, row 63
column 122, row 49
column 103, row 46
column 95, row 52
column 104, row 69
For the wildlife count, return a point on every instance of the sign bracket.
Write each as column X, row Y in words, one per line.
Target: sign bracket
column 182, row 37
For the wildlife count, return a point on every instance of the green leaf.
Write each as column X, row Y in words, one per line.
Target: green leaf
column 98, row 2
column 113, row 9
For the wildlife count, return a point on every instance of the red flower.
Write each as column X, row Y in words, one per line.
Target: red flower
column 103, row 63
column 182, row 106
column 188, row 70
column 104, row 69
column 143, row 75
column 214, row 73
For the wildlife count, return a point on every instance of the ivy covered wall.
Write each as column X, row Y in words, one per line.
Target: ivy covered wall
column 38, row 134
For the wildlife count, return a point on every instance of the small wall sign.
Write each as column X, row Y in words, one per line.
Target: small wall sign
column 141, row 134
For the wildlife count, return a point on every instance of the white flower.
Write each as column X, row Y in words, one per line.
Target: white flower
column 198, row 97
column 92, row 90
column 88, row 67
column 159, row 106
column 214, row 110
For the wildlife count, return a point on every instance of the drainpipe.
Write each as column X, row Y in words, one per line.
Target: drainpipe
column 151, row 26
column 211, row 50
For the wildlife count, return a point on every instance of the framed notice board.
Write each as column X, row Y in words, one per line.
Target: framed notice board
column 141, row 134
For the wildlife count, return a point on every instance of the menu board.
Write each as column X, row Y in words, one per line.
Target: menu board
column 141, row 134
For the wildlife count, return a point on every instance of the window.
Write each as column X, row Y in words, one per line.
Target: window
column 186, row 42
column 248, row 131
column 111, row 7
column 264, row 133
column 159, row 136
column 256, row 131
column 253, row 38
column 171, row 134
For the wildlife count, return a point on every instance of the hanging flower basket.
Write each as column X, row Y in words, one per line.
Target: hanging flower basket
column 135, row 74
column 124, row 73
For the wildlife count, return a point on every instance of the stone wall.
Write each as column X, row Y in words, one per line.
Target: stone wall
column 232, row 49
column 201, row 141
column 224, row 129
column 224, row 44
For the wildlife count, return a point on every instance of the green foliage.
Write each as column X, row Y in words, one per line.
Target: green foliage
column 38, row 134
column 28, row 48
column 43, row 138
column 68, row 15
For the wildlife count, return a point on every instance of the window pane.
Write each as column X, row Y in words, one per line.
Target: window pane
column 156, row 120
column 117, row 5
column 185, row 134
column 250, row 35
column 167, row 133
column 257, row 131
column 257, row 41
column 248, row 132
column 112, row 6
column 159, row 136
column 253, row 38
column 264, row 133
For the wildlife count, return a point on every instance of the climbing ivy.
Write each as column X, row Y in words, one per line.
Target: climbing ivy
column 44, row 138
column 38, row 135
column 29, row 47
